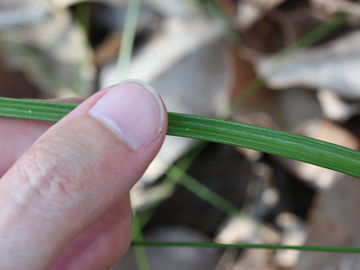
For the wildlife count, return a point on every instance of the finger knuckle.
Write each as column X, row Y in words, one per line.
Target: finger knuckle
column 49, row 175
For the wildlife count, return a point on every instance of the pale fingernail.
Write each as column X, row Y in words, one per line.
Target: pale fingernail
column 133, row 111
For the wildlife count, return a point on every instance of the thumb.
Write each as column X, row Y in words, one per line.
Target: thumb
column 76, row 172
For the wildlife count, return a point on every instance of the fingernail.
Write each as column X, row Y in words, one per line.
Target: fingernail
column 133, row 111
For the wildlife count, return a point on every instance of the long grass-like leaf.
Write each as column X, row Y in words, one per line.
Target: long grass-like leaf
column 257, row 246
column 140, row 252
column 272, row 141
column 308, row 40
column 127, row 41
column 169, row 183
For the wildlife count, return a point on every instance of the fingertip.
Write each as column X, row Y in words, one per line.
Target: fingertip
column 133, row 111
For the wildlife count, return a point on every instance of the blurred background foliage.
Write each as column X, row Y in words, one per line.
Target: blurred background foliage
column 292, row 65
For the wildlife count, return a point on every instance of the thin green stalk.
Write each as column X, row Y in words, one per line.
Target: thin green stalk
column 123, row 64
column 206, row 194
column 127, row 41
column 140, row 253
column 307, row 41
column 168, row 185
column 177, row 175
column 203, row 191
column 124, row 59
column 232, row 35
column 83, row 17
column 253, row 246
column 271, row 141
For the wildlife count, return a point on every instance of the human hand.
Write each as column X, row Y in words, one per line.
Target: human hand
column 64, row 203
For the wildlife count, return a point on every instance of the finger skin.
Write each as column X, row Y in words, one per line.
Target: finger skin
column 108, row 239
column 63, row 185
column 17, row 135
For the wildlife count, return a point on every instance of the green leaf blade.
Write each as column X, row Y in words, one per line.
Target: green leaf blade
column 267, row 140
column 34, row 109
column 337, row 249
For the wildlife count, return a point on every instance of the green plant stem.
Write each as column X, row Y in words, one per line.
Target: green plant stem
column 169, row 183
column 83, row 17
column 253, row 246
column 203, row 192
column 308, row 40
column 232, row 35
column 140, row 252
column 271, row 141
column 127, row 41
column 177, row 175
